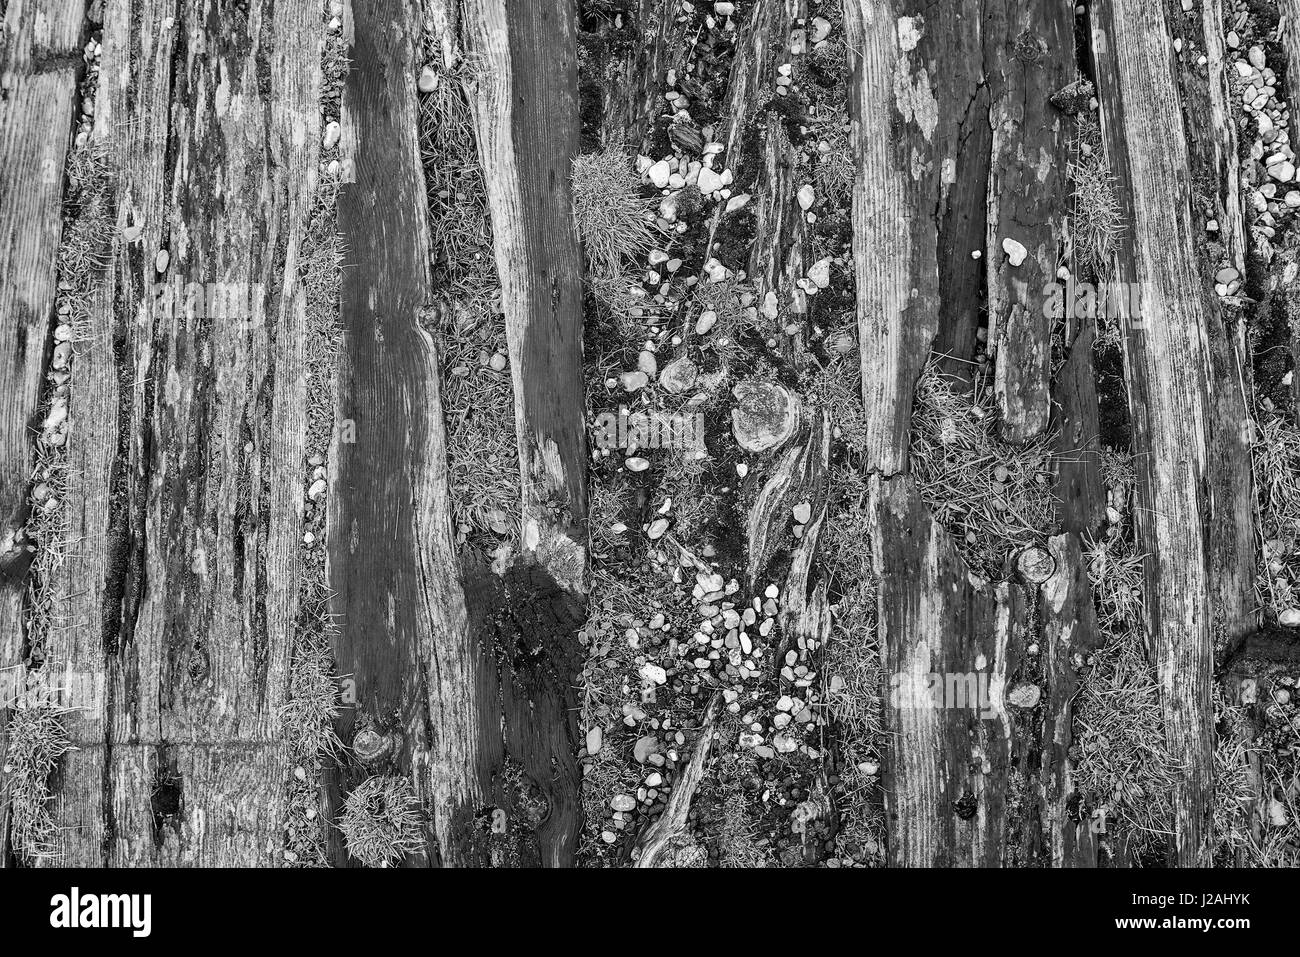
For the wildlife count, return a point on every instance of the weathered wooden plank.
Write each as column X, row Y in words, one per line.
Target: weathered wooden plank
column 40, row 57
column 523, row 91
column 1171, row 386
column 895, row 115
column 187, row 444
column 1029, row 56
column 528, row 135
column 948, row 776
column 1070, row 632
column 945, row 784
column 381, row 484
column 1213, row 158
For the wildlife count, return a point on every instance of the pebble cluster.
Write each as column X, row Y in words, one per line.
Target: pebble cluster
column 1269, row 177
column 88, row 88
column 724, row 641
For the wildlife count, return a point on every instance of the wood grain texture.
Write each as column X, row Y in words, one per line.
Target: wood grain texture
column 1172, row 390
column 40, row 55
column 1029, row 55
column 525, row 100
column 1212, row 146
column 946, row 777
column 187, row 440
column 892, row 252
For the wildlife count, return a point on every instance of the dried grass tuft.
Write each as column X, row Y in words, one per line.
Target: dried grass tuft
column 1098, row 218
column 382, row 821
column 994, row 497
column 468, row 324
column 1123, row 766
column 613, row 219
column 1275, row 459
column 37, row 739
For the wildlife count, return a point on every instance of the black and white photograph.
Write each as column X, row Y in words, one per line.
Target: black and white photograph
column 500, row 435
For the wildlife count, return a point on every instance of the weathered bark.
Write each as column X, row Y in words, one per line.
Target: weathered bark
column 1178, row 405
column 1029, row 56
column 39, row 66
column 521, row 83
column 184, row 425
column 524, row 92
column 947, row 108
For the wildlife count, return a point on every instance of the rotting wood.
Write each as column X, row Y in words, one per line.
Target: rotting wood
column 182, row 483
column 1029, row 56
column 1171, row 386
column 948, row 792
column 40, row 61
column 528, row 135
column 527, row 132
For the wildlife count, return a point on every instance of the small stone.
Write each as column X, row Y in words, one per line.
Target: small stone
column 645, row 747
column 632, row 381
column 821, row 29
column 497, row 363
column 623, row 802
column 706, row 321
column 802, row 512
column 647, row 362
column 333, row 133
column 709, row 181
column 657, row 528
column 679, row 375
column 1016, row 252
column 637, row 464
column 595, row 737
column 737, row 201
column 724, row 9
column 807, row 196
column 161, row 261
column 820, row 273
column 1290, row 618
column 1277, row 813
column 659, row 174
column 428, row 81
column 1283, row 172
column 653, row 673
column 1024, row 695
